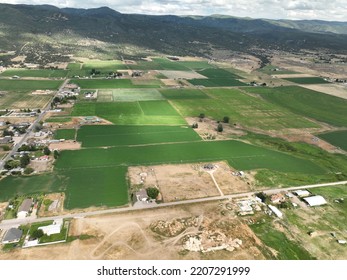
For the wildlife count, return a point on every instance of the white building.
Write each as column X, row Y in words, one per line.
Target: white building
column 302, row 193
column 316, row 200
column 275, row 210
column 53, row 228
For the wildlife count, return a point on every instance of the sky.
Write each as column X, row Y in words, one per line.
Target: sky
column 332, row 10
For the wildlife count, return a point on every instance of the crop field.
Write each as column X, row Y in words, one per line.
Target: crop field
column 240, row 155
column 116, row 95
column 308, row 103
column 58, row 119
column 243, row 109
column 113, row 83
column 216, row 82
column 104, row 66
column 67, row 134
column 43, row 73
column 83, row 188
column 158, row 64
column 196, row 65
column 217, row 73
column 22, row 100
column 142, row 112
column 307, row 80
column 337, row 138
column 99, row 136
column 183, row 94
column 26, row 85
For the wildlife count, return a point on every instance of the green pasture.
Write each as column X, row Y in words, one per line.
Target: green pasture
column 242, row 109
column 142, row 112
column 22, row 100
column 27, row 85
column 336, row 138
column 240, row 155
column 42, row 73
column 216, row 82
column 58, row 119
column 183, row 94
column 110, row 84
column 196, row 65
column 117, row 95
column 307, row 80
column 306, row 102
column 104, row 66
column 158, row 64
column 218, row 73
column 115, row 135
column 67, row 134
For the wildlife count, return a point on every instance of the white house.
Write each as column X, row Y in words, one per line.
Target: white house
column 275, row 210
column 24, row 209
column 53, row 228
column 302, row 193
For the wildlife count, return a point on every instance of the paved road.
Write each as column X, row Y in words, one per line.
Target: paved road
column 6, row 224
column 30, row 129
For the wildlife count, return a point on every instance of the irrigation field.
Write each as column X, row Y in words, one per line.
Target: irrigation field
column 22, row 100
column 306, row 102
column 27, row 85
column 42, row 73
column 110, row 84
column 337, row 138
column 67, row 134
column 217, row 82
column 242, row 109
column 141, row 112
column 307, row 80
column 128, row 95
column 183, row 94
column 217, row 73
column 113, row 135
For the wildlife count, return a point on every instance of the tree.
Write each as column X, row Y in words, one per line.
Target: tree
column 38, row 111
column 152, row 192
column 46, row 151
column 56, row 154
column 28, row 170
column 195, row 125
column 220, row 127
column 24, row 160
column 202, row 115
column 226, row 119
column 10, row 164
column 38, row 233
column 7, row 133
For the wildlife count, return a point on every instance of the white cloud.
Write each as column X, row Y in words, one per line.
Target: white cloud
column 273, row 9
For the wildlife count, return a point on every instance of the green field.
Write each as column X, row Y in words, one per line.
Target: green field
column 306, row 102
column 240, row 155
column 58, row 119
column 183, row 94
column 217, row 73
column 26, row 85
column 307, row 80
column 196, row 65
column 67, row 134
column 242, row 109
column 83, row 188
column 98, row 136
column 110, row 83
column 43, row 73
column 128, row 95
column 337, row 138
column 104, row 66
column 216, row 82
column 22, row 100
column 142, row 112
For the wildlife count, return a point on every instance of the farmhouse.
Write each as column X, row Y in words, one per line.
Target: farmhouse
column 53, row 228
column 13, row 235
column 302, row 193
column 316, row 200
column 24, row 209
column 277, row 198
column 140, row 197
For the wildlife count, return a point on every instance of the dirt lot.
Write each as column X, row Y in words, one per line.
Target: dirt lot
column 3, row 206
column 42, row 165
column 331, row 89
column 170, row 82
column 55, row 208
column 175, row 182
column 139, row 235
column 207, row 129
column 66, row 145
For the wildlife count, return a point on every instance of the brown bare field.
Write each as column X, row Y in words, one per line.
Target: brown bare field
column 175, row 182
column 41, row 166
column 170, row 82
column 66, row 145
column 58, row 198
column 331, row 89
column 139, row 235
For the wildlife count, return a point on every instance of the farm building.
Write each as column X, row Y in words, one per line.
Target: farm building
column 302, row 193
column 13, row 235
column 316, row 200
column 24, row 209
column 140, row 197
column 277, row 198
column 53, row 228
column 275, row 210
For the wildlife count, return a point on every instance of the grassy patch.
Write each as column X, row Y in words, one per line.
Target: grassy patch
column 307, row 80
column 337, row 138
column 58, row 119
column 216, row 82
column 183, row 94
column 217, row 73
column 26, row 85
column 111, row 83
column 128, row 95
column 42, row 73
column 306, row 102
column 98, row 136
column 22, row 100
column 67, row 134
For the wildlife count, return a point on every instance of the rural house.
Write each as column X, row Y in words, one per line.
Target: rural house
column 13, row 235
column 24, row 209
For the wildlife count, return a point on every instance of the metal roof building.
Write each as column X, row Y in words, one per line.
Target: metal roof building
column 316, row 200
column 12, row 235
